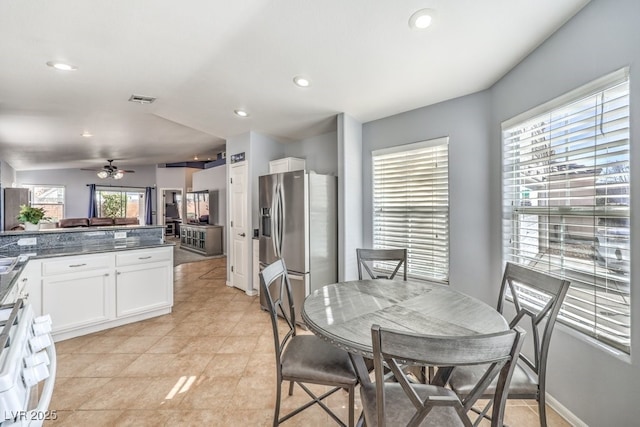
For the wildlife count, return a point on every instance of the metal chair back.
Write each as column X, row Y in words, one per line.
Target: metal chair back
column 395, row 349
column 395, row 258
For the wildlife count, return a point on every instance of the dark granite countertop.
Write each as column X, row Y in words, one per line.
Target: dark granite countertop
column 7, row 281
column 45, row 231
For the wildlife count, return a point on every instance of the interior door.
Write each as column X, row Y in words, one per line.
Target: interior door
column 239, row 260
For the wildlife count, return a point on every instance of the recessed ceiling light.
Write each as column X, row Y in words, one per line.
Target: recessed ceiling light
column 421, row 19
column 86, row 134
column 62, row 66
column 301, row 81
column 241, row 113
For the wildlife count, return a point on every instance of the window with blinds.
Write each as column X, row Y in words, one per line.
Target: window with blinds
column 566, row 202
column 411, row 206
column 48, row 197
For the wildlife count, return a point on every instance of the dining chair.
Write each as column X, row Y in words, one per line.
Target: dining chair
column 404, row 403
column 396, row 257
column 303, row 359
column 535, row 296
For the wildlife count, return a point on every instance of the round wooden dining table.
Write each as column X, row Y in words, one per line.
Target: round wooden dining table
column 343, row 313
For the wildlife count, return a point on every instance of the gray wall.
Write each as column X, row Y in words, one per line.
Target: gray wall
column 320, row 153
column 7, row 179
column 75, row 182
column 7, row 174
column 596, row 386
column 465, row 121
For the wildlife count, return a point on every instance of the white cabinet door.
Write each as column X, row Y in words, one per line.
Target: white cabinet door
column 144, row 287
column 79, row 299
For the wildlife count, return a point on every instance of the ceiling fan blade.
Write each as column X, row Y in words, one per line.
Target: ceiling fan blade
column 125, row 171
column 92, row 170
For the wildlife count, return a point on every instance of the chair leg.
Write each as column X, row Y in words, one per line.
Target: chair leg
column 352, row 409
column 276, row 414
column 542, row 408
column 290, row 388
column 361, row 420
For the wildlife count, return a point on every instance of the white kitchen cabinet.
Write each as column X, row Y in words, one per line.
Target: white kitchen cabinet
column 287, row 164
column 89, row 293
column 144, row 281
column 80, row 299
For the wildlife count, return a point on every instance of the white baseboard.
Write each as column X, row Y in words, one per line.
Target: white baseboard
column 229, row 284
column 565, row 413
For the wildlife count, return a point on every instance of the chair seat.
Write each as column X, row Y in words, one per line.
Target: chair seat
column 310, row 359
column 523, row 383
column 399, row 409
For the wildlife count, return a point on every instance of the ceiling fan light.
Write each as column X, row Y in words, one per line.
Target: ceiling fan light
column 118, row 175
column 103, row 174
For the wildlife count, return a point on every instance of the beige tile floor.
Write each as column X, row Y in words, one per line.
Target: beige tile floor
column 208, row 363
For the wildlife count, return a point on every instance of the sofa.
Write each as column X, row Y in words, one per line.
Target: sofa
column 95, row 222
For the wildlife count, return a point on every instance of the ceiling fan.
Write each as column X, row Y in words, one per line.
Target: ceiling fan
column 110, row 171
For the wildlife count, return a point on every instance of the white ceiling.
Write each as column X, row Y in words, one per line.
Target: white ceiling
column 204, row 58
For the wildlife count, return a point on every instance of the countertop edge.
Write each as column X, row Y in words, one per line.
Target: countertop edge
column 7, row 281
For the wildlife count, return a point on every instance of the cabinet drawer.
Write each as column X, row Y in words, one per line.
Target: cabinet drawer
column 143, row 256
column 74, row 264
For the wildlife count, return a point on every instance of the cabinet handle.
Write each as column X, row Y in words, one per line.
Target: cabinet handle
column 78, row 265
column 144, row 257
column 24, row 279
column 118, row 273
column 24, row 296
column 106, row 274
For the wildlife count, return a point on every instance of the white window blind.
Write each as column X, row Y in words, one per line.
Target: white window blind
column 566, row 203
column 411, row 205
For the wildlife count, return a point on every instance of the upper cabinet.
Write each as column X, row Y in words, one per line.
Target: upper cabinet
column 287, row 164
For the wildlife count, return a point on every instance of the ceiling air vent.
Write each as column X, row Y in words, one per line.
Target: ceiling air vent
column 140, row 99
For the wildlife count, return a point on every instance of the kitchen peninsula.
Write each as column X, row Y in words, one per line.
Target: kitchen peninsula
column 89, row 279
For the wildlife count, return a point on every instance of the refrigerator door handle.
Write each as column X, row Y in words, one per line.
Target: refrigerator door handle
column 281, row 219
column 274, row 222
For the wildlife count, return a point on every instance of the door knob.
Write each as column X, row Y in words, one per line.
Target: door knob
column 241, row 234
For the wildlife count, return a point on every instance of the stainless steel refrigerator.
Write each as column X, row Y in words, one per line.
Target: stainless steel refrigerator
column 298, row 223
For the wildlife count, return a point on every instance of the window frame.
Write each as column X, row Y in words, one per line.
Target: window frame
column 412, row 272
column 32, row 201
column 123, row 190
column 570, row 314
